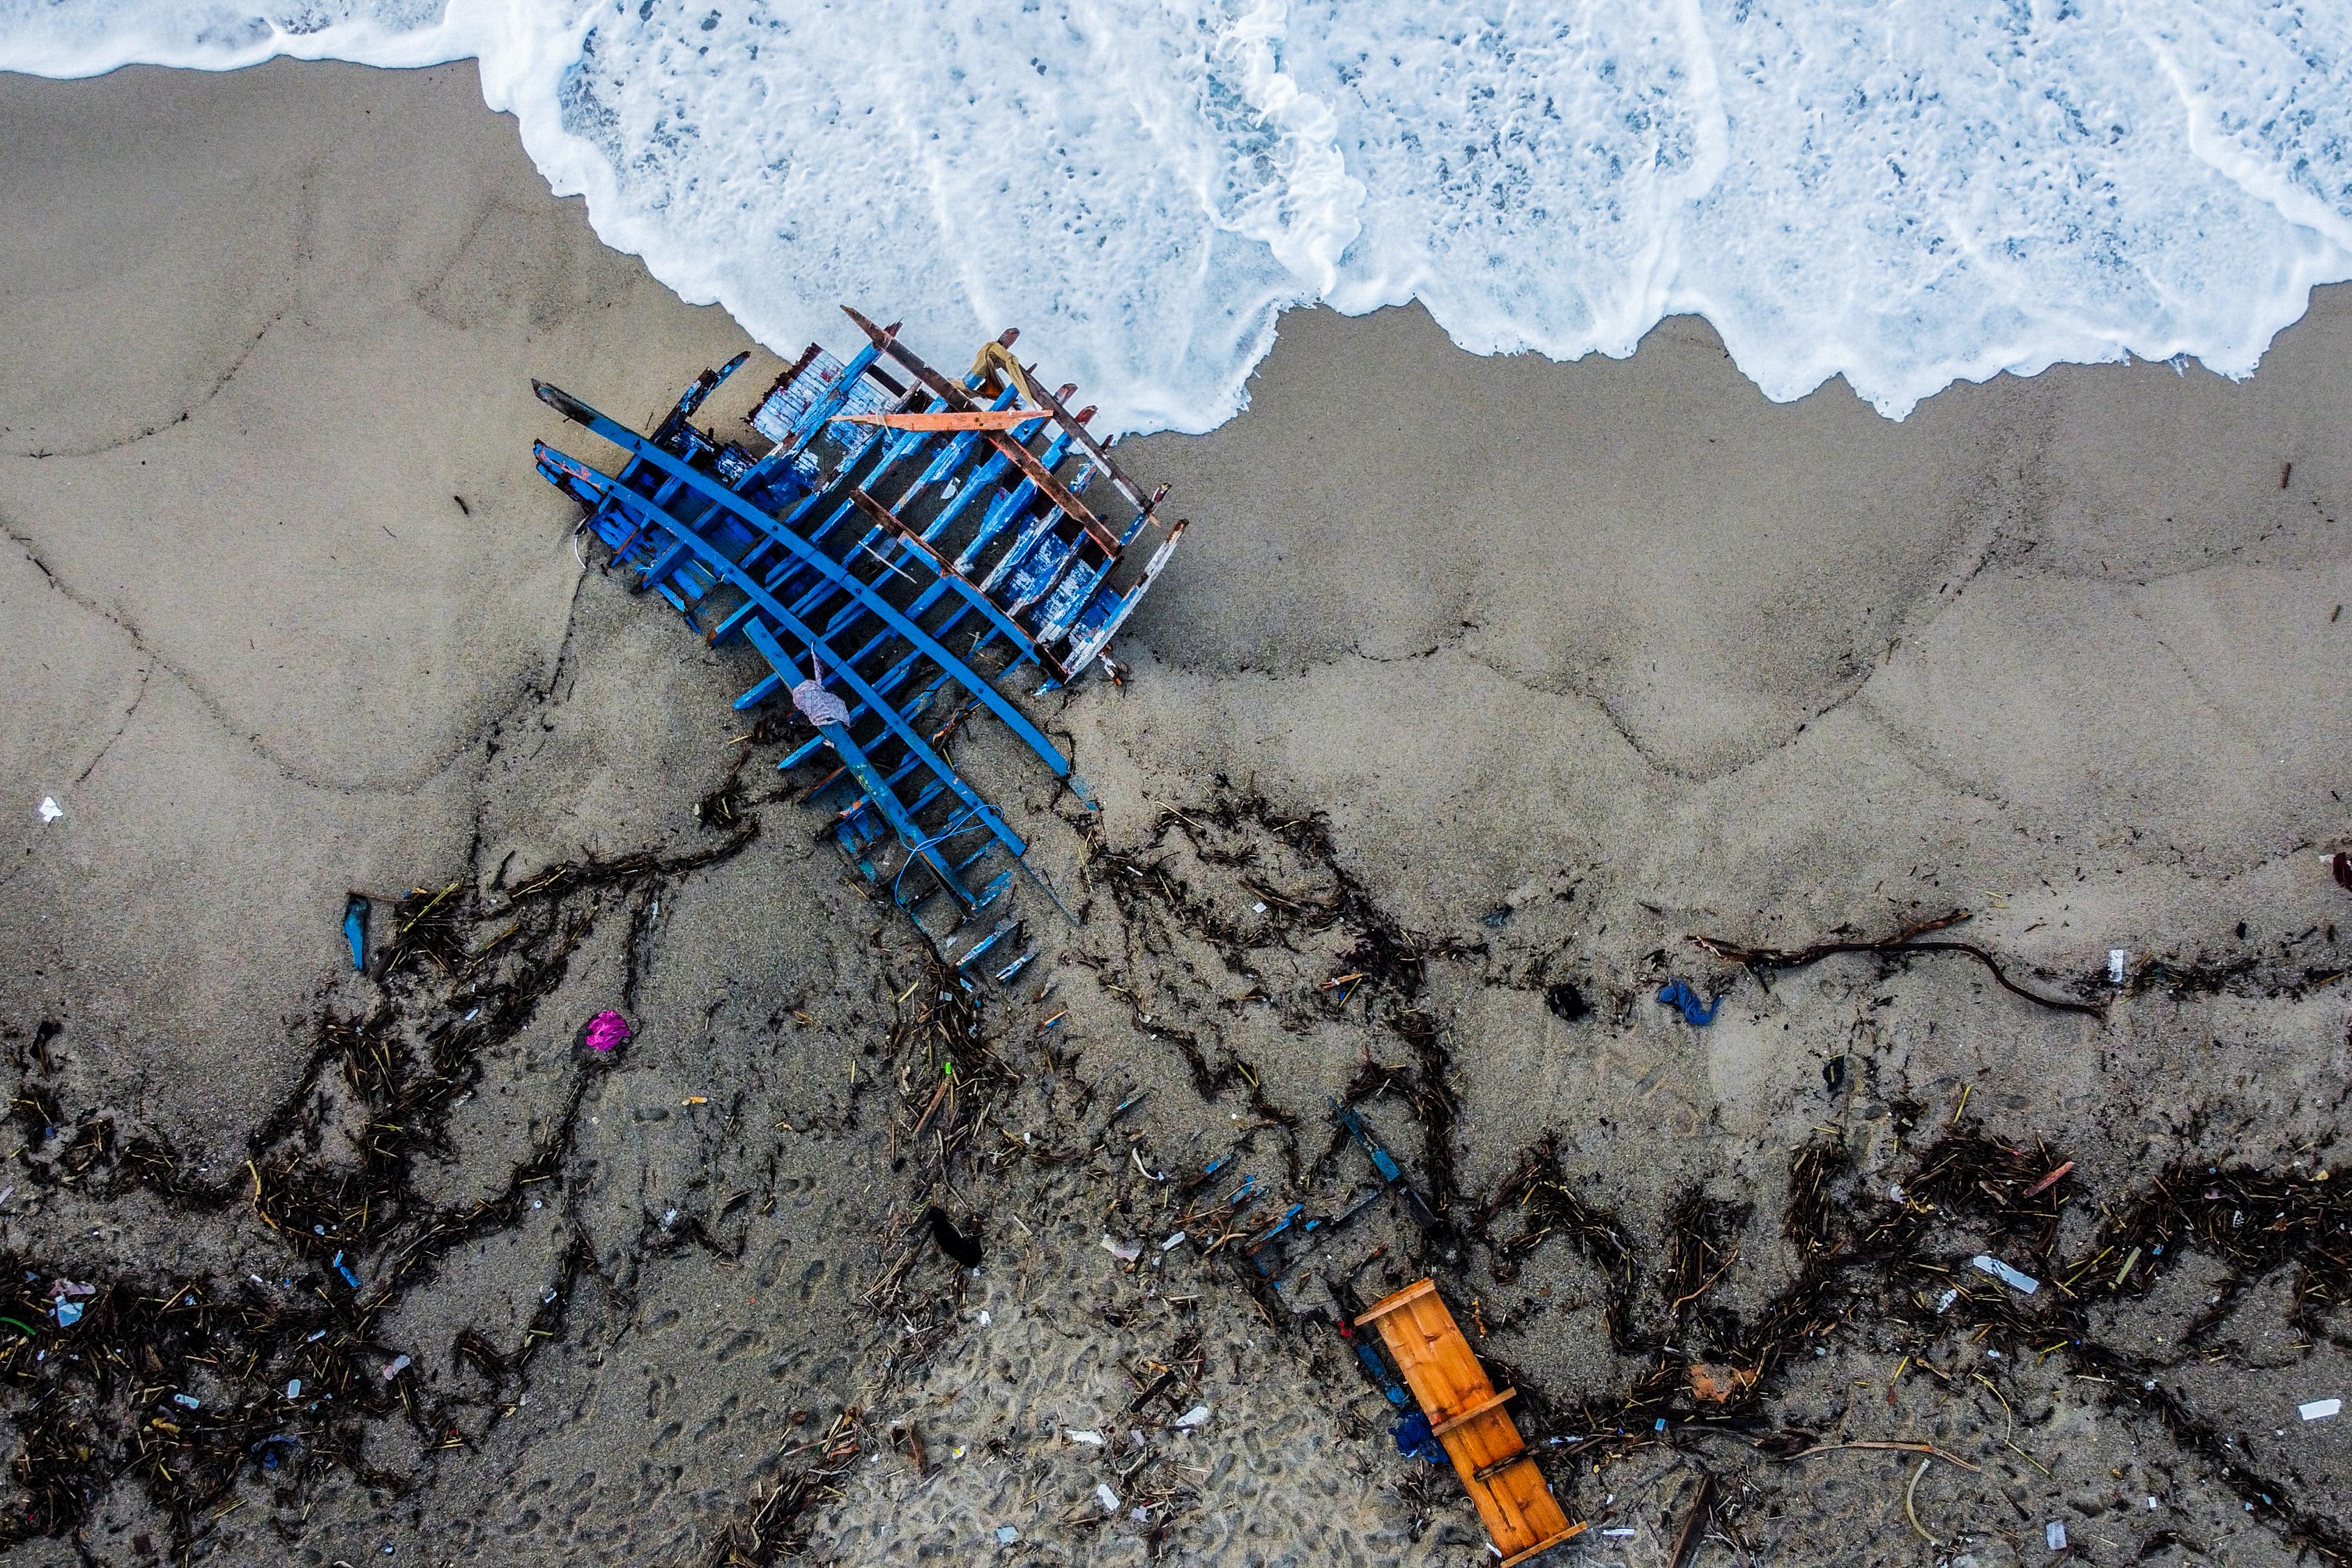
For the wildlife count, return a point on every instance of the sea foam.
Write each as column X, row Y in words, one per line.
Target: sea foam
column 1905, row 193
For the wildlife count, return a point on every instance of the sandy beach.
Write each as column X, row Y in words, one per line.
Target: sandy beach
column 1482, row 687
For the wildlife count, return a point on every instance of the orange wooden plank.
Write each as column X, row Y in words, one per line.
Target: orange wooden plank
column 1468, row 1417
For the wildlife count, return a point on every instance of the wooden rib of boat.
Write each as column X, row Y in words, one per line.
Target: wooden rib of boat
column 1467, row 1415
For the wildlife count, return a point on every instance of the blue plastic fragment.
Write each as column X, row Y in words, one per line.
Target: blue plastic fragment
column 1697, row 1015
column 69, row 1313
column 350, row 1278
column 355, row 915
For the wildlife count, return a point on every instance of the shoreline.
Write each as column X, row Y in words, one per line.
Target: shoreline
column 1512, row 675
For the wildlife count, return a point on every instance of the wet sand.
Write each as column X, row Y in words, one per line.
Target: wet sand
column 1492, row 680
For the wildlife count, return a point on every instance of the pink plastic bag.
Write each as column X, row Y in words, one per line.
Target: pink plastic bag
column 608, row 1032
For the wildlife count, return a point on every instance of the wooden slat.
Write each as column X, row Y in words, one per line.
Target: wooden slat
column 1388, row 1304
column 1492, row 1402
column 1576, row 1528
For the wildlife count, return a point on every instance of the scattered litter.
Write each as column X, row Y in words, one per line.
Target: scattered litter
column 608, row 1031
column 1079, row 1435
column 51, row 811
column 396, row 1366
column 1124, row 1251
column 2319, row 1409
column 1944, row 1302
column 2054, row 1533
column 1259, row 909
column 1140, row 1515
column 1697, row 1015
column 2025, row 1283
column 1172, row 1243
column 293, row 1388
column 695, row 1100
column 315, row 1336
column 355, row 918
column 983, row 1319
column 190, row 1400
column 67, row 1288
column 350, row 1278
column 69, row 1313
column 1006, row 1535
column 1196, row 1417
column 2117, row 958
column 1620, row 1531
column 1108, row 1498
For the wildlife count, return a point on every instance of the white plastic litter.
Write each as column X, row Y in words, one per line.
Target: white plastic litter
column 294, row 1388
column 983, row 1317
column 1172, row 1243
column 1944, row 1302
column 2319, row 1409
column 1124, row 1251
column 190, row 1400
column 2010, row 1276
column 1108, row 1498
column 1076, row 1435
column 2116, row 961
column 1006, row 1535
column 2054, row 1533
column 1196, row 1417
column 50, row 809
column 395, row 1367
column 1617, row 1533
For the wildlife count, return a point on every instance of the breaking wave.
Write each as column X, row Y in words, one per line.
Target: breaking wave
column 1904, row 193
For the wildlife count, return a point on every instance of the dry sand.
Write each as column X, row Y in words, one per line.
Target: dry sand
column 1491, row 678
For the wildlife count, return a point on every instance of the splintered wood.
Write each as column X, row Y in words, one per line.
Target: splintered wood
column 1467, row 1415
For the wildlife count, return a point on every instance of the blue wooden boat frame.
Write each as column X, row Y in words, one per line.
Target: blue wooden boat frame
column 912, row 571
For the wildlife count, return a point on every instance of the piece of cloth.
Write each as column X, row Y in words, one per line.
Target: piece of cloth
column 1697, row 1013
column 818, row 706
column 1415, row 1441
column 994, row 361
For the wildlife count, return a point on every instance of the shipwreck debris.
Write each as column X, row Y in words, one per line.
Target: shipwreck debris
column 904, row 546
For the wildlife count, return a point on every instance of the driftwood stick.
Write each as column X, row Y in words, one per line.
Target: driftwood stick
column 1902, row 943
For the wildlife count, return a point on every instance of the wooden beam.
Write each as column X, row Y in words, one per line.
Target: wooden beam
column 1095, row 450
column 1021, row 458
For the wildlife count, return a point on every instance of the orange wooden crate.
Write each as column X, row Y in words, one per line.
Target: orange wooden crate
column 1468, row 1418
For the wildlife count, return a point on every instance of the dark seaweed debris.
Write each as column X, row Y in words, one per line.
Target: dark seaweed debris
column 287, row 1379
